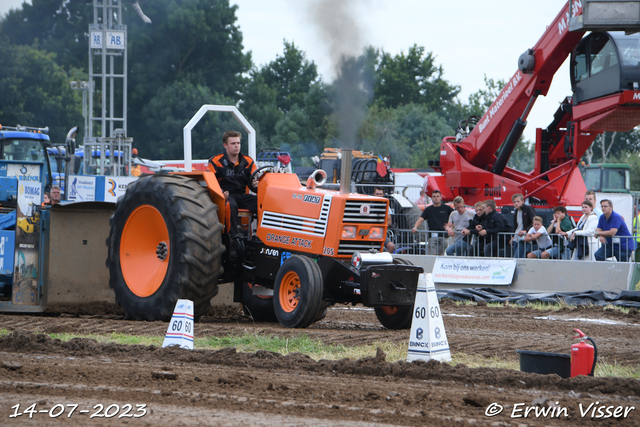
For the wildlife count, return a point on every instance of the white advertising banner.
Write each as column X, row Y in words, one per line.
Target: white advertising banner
column 115, row 39
column 82, row 188
column 95, row 40
column 116, row 186
column 27, row 248
column 474, row 271
column 24, row 172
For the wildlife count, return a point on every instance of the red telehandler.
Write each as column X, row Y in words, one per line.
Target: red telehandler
column 605, row 74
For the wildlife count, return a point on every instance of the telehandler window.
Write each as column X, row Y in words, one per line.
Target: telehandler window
column 22, row 149
column 603, row 54
column 629, row 47
column 580, row 70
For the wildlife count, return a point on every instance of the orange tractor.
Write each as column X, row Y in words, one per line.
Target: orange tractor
column 309, row 248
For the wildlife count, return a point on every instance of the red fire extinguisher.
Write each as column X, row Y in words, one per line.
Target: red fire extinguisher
column 583, row 356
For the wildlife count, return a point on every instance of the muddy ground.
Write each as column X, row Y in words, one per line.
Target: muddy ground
column 227, row 388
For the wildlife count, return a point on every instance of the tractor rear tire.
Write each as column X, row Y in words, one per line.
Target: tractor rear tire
column 164, row 245
column 297, row 295
column 259, row 308
column 395, row 317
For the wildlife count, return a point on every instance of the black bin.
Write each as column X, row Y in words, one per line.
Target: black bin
column 539, row 362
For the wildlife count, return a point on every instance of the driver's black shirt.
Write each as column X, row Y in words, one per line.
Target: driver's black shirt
column 233, row 178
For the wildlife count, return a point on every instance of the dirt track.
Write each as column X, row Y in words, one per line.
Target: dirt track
column 181, row 387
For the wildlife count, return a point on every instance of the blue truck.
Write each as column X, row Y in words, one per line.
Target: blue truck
column 25, row 173
column 54, row 255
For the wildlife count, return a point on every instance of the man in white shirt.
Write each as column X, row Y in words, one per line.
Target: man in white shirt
column 591, row 196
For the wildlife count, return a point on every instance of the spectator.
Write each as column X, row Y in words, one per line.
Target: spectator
column 493, row 224
column 560, row 224
column 635, row 225
column 55, row 195
column 581, row 239
column 459, row 220
column 422, row 201
column 437, row 217
column 591, row 196
column 471, row 230
column 614, row 235
column 540, row 235
column 389, row 246
column 524, row 220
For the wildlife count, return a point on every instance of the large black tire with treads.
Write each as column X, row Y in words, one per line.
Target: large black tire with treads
column 395, row 317
column 164, row 245
column 297, row 295
column 259, row 308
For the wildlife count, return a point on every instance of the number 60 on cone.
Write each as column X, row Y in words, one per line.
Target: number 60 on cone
column 180, row 330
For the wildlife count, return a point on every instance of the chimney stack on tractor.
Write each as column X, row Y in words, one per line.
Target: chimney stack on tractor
column 345, row 171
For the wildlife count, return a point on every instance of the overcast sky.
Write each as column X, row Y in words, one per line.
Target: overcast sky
column 469, row 38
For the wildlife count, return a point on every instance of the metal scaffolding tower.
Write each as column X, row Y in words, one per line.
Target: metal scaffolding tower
column 107, row 150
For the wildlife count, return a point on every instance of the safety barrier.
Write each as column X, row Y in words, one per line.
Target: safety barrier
column 502, row 245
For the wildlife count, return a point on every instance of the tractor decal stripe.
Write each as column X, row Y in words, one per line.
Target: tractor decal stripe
column 179, row 335
column 428, row 351
column 183, row 315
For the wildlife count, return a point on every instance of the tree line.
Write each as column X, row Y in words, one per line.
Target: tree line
column 396, row 105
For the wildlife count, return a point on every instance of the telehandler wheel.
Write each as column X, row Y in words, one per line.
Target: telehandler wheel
column 297, row 296
column 260, row 308
column 395, row 317
column 164, row 245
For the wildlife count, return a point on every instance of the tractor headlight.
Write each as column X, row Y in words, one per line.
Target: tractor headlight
column 376, row 233
column 349, row 232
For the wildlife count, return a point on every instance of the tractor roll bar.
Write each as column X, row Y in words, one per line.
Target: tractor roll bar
column 219, row 108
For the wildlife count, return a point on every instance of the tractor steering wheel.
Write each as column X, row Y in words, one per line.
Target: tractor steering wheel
column 258, row 174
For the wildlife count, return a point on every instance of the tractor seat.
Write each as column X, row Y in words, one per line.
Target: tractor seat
column 244, row 221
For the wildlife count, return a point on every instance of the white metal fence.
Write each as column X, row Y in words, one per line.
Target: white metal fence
column 502, row 245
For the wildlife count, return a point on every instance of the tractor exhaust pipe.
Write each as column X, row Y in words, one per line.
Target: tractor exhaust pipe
column 317, row 178
column 345, row 171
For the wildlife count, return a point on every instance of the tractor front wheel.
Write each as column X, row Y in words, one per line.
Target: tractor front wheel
column 297, row 296
column 395, row 317
column 259, row 308
column 164, row 245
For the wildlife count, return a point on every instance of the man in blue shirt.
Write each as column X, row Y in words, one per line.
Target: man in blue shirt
column 613, row 234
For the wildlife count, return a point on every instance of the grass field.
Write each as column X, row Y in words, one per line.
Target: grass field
column 317, row 350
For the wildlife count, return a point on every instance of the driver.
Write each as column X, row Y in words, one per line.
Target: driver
column 233, row 171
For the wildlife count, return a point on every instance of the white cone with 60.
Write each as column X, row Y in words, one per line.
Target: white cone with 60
column 428, row 338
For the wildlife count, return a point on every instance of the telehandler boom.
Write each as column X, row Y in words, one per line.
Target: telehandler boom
column 605, row 74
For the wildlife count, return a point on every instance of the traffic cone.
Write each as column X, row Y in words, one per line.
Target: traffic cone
column 180, row 330
column 428, row 338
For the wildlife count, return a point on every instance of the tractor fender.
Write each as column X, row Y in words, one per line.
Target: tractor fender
column 208, row 180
